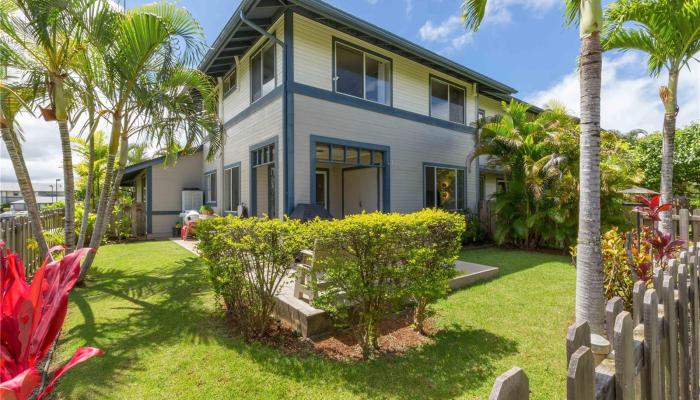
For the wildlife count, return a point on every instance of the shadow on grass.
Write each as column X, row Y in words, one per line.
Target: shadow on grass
column 458, row 360
column 142, row 310
column 150, row 310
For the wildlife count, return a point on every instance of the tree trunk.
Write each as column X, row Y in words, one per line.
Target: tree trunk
column 25, row 185
column 68, row 186
column 108, row 197
column 88, row 192
column 668, row 97
column 590, row 302
column 103, row 210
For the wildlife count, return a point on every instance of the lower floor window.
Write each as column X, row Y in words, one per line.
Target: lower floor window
column 444, row 188
column 232, row 195
column 210, row 187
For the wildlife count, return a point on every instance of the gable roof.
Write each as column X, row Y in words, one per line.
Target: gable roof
column 237, row 38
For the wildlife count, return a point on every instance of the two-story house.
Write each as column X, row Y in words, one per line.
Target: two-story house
column 323, row 108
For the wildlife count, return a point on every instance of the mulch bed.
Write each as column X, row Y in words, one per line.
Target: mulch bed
column 397, row 336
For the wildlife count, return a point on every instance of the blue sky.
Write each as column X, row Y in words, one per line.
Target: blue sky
column 522, row 43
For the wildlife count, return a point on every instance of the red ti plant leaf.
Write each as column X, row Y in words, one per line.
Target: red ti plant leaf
column 31, row 318
column 663, row 246
column 80, row 355
column 650, row 208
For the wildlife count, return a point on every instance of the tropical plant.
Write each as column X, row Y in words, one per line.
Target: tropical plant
column 31, row 319
column 248, row 260
column 535, row 154
column 149, row 90
column 668, row 31
column 625, row 261
column 46, row 39
column 589, row 275
column 11, row 103
column 651, row 208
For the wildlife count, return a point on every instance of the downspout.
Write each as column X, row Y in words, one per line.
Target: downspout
column 478, row 162
column 260, row 30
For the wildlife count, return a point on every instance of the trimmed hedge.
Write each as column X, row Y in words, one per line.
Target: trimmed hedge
column 373, row 264
column 369, row 265
column 248, row 259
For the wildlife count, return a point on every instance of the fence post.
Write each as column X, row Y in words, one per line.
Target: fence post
column 579, row 334
column 696, row 225
column 580, row 377
column 623, row 344
column 512, row 385
column 652, row 346
column 683, row 329
column 694, row 328
column 640, row 288
column 684, row 225
column 670, row 330
column 612, row 308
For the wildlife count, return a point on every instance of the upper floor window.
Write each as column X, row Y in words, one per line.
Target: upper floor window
column 446, row 101
column 361, row 74
column 262, row 72
column 230, row 82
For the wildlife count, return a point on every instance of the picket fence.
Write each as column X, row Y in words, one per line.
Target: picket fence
column 651, row 353
column 16, row 232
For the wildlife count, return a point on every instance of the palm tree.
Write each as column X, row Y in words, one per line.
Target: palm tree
column 590, row 301
column 45, row 33
column 668, row 31
column 11, row 104
column 149, row 89
column 528, row 148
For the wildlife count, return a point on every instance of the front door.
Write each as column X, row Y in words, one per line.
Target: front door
column 322, row 188
column 360, row 190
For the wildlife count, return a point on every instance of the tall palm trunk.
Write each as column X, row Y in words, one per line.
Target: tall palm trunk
column 68, row 185
column 589, row 273
column 25, row 185
column 88, row 192
column 104, row 206
column 668, row 97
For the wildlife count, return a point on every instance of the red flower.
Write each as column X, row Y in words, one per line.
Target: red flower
column 31, row 317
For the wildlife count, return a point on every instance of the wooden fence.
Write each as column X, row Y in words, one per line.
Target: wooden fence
column 686, row 225
column 16, row 232
column 652, row 352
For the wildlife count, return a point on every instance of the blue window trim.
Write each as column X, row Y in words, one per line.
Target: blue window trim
column 449, row 166
column 231, row 166
column 335, row 41
column 386, row 181
column 253, row 175
column 328, row 95
column 449, row 83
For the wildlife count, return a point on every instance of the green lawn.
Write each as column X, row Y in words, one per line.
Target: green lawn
column 148, row 305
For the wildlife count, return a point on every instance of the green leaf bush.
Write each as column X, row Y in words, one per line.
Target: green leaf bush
column 373, row 264
column 368, row 266
column 248, row 260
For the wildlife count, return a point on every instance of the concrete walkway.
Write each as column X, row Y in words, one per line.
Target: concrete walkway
column 310, row 321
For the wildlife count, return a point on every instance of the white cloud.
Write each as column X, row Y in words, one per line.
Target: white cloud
column 499, row 11
column 41, row 149
column 432, row 33
column 449, row 31
column 372, row 2
column 629, row 97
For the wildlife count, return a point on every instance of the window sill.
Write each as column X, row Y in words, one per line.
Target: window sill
column 363, row 99
column 447, row 120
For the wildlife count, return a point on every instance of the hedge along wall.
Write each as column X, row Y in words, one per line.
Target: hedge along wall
column 370, row 265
